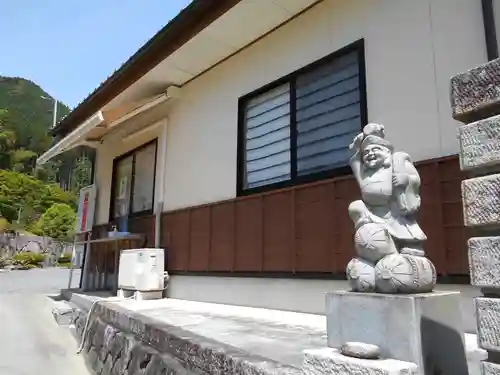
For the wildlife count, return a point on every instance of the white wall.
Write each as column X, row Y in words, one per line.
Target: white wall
column 299, row 295
column 412, row 50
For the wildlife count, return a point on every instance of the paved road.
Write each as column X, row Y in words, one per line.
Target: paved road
column 30, row 340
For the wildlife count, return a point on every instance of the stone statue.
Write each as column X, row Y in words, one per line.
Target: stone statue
column 388, row 239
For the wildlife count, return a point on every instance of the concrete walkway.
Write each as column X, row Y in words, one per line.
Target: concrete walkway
column 31, row 342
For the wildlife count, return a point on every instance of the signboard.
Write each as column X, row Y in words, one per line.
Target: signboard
column 86, row 208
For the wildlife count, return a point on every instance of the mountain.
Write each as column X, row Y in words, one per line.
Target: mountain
column 26, row 116
column 29, row 115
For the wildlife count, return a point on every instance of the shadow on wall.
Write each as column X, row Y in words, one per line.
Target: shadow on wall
column 438, row 338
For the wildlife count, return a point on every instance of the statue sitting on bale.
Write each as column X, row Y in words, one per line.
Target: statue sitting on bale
column 388, row 239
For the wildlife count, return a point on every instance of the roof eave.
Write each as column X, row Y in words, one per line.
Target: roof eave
column 187, row 24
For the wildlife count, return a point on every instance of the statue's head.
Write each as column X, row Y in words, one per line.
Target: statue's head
column 375, row 156
column 375, row 149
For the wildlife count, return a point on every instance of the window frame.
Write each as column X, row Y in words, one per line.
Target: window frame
column 358, row 47
column 121, row 157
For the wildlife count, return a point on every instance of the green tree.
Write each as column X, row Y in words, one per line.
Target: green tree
column 57, row 222
column 81, row 174
column 25, row 198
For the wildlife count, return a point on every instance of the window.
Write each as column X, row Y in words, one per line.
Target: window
column 133, row 181
column 299, row 129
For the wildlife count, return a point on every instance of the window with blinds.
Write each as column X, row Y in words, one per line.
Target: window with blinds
column 302, row 128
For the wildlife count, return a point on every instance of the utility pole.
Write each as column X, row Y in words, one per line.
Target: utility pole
column 54, row 120
column 54, row 111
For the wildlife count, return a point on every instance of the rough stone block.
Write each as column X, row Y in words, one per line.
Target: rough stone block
column 481, row 200
column 490, row 368
column 330, row 361
column 425, row 329
column 475, row 94
column 63, row 312
column 484, row 261
column 488, row 323
column 480, row 143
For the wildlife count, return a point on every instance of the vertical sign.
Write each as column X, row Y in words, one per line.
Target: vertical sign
column 86, row 207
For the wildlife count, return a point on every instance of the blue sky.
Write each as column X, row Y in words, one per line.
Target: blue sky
column 69, row 47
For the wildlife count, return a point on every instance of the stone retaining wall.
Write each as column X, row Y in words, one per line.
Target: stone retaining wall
column 121, row 342
column 475, row 100
column 109, row 351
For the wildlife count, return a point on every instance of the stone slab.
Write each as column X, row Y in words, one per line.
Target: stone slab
column 488, row 368
column 425, row 329
column 484, row 261
column 480, row 143
column 488, row 323
column 62, row 312
column 475, row 94
column 330, row 361
column 481, row 200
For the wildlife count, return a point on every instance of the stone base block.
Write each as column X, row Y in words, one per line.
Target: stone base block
column 481, row 199
column 490, row 368
column 484, row 261
column 488, row 323
column 480, row 143
column 425, row 329
column 330, row 361
column 475, row 94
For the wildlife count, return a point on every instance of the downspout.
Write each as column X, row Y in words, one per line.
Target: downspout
column 490, row 34
column 162, row 164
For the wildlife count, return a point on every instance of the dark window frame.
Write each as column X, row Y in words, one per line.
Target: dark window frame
column 116, row 160
column 357, row 46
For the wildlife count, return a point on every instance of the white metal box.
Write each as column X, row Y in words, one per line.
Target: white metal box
column 141, row 270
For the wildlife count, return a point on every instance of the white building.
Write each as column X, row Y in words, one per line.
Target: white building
column 258, row 216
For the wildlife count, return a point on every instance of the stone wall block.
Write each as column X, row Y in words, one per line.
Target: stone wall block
column 488, row 323
column 481, row 200
column 480, row 143
column 475, row 94
column 330, row 361
column 484, row 261
column 490, row 368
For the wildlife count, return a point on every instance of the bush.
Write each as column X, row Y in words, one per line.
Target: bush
column 27, row 258
column 65, row 258
column 3, row 262
column 57, row 222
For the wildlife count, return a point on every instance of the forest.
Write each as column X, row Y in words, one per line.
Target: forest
column 39, row 200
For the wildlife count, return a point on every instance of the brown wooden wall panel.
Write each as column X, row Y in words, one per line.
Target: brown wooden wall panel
column 277, row 232
column 307, row 229
column 178, row 234
column 199, row 244
column 431, row 216
column 346, row 191
column 314, row 232
column 144, row 225
column 222, row 237
column 248, row 242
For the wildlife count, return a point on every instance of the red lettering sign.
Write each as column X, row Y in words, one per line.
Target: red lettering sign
column 84, row 211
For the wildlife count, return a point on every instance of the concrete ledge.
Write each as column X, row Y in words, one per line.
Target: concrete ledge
column 484, row 261
column 480, row 144
column 475, row 94
column 481, row 200
column 488, row 323
column 179, row 334
column 330, row 361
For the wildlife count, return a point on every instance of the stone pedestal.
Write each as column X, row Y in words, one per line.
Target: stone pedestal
column 425, row 329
